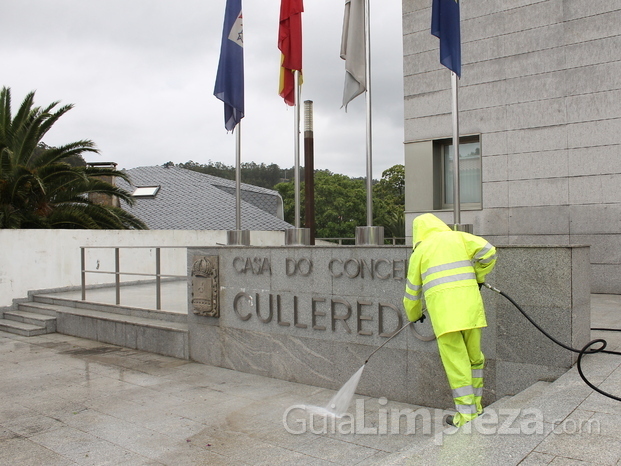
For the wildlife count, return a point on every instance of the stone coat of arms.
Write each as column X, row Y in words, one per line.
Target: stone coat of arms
column 205, row 286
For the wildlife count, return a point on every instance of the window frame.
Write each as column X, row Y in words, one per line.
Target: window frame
column 440, row 147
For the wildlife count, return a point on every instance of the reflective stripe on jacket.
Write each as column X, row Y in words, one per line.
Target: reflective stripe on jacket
column 445, row 268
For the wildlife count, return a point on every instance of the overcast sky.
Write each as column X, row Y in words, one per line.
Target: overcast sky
column 141, row 75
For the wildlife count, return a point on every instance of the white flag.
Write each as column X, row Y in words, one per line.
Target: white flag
column 353, row 50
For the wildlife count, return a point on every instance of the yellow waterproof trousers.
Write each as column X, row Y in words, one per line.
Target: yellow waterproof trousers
column 463, row 362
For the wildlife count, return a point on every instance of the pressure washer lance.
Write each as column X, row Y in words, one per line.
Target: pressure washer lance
column 394, row 335
column 581, row 353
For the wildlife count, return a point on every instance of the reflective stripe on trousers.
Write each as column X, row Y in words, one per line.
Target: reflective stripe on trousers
column 463, row 362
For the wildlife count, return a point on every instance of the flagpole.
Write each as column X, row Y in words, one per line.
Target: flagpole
column 296, row 135
column 456, row 194
column 238, row 177
column 367, row 44
column 369, row 235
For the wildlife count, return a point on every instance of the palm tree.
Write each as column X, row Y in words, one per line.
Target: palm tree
column 39, row 188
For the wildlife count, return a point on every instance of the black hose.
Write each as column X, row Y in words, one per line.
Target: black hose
column 581, row 352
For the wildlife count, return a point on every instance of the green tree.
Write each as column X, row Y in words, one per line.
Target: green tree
column 340, row 203
column 391, row 187
column 265, row 176
column 39, row 188
column 389, row 202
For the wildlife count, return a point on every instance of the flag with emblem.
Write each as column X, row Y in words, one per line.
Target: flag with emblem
column 229, row 86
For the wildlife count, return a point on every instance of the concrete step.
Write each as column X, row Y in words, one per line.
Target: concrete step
column 41, row 320
column 21, row 328
column 505, row 416
column 35, row 308
column 117, row 317
column 154, row 335
column 50, row 302
column 523, row 398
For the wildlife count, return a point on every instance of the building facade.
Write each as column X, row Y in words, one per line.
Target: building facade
column 540, row 124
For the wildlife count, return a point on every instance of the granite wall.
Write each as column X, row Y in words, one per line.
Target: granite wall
column 314, row 314
column 540, row 87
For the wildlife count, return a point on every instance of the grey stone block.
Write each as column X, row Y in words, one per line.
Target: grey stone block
column 161, row 341
column 485, row 70
column 519, row 341
column 205, row 344
column 595, row 219
column 70, row 324
column 533, row 16
column 431, row 81
column 610, row 188
column 530, row 88
column 538, row 113
column 387, row 372
column 483, row 118
column 542, row 192
column 537, row 139
column 495, row 194
column 414, row 21
column 586, row 9
column 543, row 220
column 592, row 25
column 538, row 165
column 513, row 377
column 491, row 48
column 592, row 161
column 294, row 270
column 604, row 278
column 593, row 107
column 486, row 95
column 116, row 333
column 539, row 240
column 429, row 105
column 427, row 384
column 433, row 127
column 585, row 190
column 536, row 61
column 494, row 168
column 494, row 144
column 594, row 133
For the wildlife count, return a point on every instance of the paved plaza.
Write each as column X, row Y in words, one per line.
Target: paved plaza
column 68, row 400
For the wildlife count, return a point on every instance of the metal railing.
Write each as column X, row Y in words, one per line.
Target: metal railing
column 394, row 241
column 158, row 275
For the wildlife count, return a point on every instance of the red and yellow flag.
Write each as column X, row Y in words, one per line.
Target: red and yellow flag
column 290, row 44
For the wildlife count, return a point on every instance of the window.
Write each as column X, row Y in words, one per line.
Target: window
column 429, row 174
column 146, row 191
column 469, row 173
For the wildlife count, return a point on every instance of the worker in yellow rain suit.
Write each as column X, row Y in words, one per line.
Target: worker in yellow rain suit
column 447, row 269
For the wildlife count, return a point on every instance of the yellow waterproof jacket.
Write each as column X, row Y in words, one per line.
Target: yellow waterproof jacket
column 445, row 268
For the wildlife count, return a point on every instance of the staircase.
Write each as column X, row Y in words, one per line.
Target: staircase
column 149, row 330
column 28, row 322
column 515, row 425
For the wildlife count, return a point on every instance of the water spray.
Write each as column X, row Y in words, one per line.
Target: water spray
column 340, row 402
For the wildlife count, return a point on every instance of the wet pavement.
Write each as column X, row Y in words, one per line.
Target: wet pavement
column 68, row 400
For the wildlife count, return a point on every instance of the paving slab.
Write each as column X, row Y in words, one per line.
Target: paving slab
column 69, row 401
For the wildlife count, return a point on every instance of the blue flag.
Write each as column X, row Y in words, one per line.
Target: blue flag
column 230, row 79
column 445, row 26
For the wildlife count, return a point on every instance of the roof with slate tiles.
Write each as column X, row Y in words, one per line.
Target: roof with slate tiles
column 189, row 200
